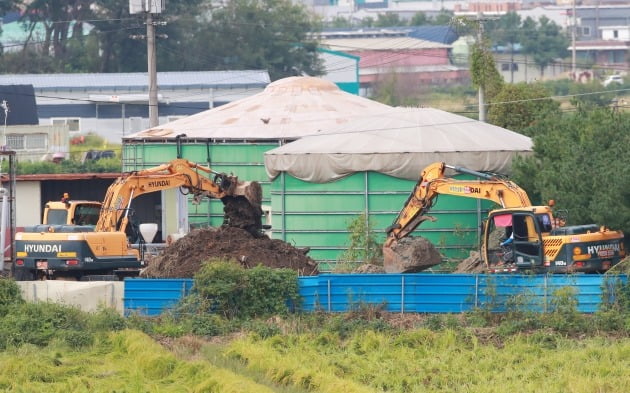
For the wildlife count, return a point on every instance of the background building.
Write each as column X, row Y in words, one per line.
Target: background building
column 114, row 105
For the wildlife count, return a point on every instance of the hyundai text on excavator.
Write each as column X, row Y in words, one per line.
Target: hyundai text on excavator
column 76, row 251
column 540, row 242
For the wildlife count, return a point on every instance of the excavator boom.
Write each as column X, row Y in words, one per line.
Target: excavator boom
column 201, row 182
column 434, row 182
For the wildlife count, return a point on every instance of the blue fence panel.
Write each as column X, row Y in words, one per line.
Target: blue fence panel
column 438, row 292
column 419, row 292
column 451, row 293
column 153, row 296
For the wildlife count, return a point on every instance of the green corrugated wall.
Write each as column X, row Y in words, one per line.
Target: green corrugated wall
column 317, row 215
column 244, row 160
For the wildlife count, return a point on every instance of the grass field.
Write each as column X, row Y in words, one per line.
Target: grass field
column 417, row 360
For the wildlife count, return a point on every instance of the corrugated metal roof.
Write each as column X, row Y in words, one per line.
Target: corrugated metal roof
column 381, row 43
column 139, row 79
column 63, row 176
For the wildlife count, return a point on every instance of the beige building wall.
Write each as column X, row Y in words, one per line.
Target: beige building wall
column 28, row 203
column 37, row 143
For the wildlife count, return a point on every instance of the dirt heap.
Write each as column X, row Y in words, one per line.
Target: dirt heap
column 472, row 264
column 410, row 255
column 183, row 258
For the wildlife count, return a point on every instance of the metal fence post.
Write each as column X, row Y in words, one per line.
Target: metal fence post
column 476, row 290
column 329, row 303
column 545, row 294
column 402, row 295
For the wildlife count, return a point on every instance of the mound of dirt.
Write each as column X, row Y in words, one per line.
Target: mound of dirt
column 369, row 268
column 410, row 255
column 472, row 264
column 183, row 258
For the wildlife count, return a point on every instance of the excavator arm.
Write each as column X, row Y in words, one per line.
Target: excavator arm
column 197, row 180
column 434, row 182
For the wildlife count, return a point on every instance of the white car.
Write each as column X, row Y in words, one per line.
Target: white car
column 613, row 79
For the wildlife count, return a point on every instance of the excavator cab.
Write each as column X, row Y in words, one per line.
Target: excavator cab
column 525, row 228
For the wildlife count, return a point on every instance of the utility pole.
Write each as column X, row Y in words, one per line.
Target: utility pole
column 573, row 54
column 482, row 99
column 149, row 8
column 478, row 24
column 152, row 69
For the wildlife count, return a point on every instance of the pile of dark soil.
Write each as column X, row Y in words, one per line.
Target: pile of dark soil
column 472, row 264
column 184, row 258
column 410, row 255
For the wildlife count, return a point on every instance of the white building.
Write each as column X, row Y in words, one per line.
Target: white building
column 114, row 105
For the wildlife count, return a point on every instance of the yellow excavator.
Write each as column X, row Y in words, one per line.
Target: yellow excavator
column 76, row 251
column 530, row 237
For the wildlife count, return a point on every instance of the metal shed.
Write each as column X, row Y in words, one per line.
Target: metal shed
column 233, row 138
column 322, row 182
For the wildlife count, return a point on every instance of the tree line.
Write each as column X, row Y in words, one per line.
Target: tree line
column 66, row 36
column 101, row 36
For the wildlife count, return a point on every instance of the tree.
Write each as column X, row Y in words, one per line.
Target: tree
column 61, row 19
column 506, row 32
column 518, row 107
column 275, row 35
column 6, row 6
column 483, row 69
column 397, row 90
column 544, row 41
column 589, row 96
column 340, row 22
column 580, row 161
column 443, row 18
column 122, row 37
column 387, row 19
column 419, row 19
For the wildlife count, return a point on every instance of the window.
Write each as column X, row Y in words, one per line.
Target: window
column 506, row 67
column 586, row 31
column 15, row 142
column 72, row 122
column 36, row 141
column 27, row 141
column 615, row 33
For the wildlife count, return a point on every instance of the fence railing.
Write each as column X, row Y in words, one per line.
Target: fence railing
column 409, row 293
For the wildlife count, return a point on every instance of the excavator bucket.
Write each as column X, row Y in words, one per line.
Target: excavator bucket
column 242, row 207
column 251, row 190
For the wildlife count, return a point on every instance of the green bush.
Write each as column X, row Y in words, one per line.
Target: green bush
column 227, row 289
column 264, row 329
column 564, row 316
column 41, row 323
column 210, row 325
column 9, row 294
column 107, row 319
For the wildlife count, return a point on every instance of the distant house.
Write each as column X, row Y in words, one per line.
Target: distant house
column 603, row 36
column 21, row 131
column 393, row 51
column 113, row 105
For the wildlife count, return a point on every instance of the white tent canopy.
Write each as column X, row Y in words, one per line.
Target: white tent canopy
column 286, row 110
column 400, row 143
